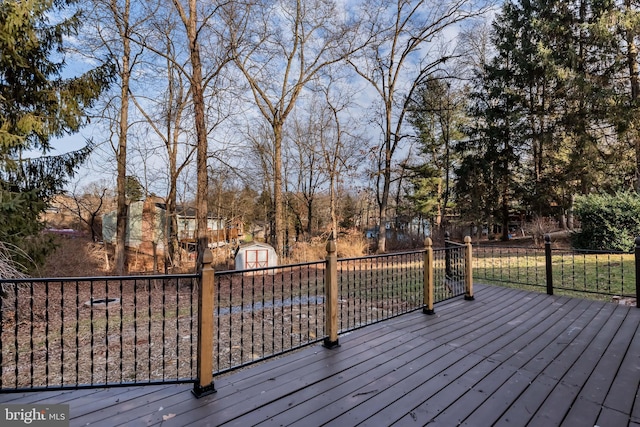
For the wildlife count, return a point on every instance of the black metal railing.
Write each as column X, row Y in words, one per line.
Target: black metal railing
column 449, row 271
column 114, row 331
column 504, row 265
column 600, row 274
column 592, row 272
column 378, row 287
column 265, row 312
column 98, row 331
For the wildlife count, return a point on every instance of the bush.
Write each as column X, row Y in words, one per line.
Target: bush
column 609, row 222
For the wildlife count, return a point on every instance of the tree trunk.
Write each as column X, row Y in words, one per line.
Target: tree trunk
column 277, row 190
column 383, row 201
column 310, row 217
column 171, row 230
column 197, row 91
column 572, row 201
column 332, row 205
column 382, row 227
column 121, row 155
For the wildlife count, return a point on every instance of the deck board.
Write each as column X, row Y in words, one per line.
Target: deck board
column 509, row 358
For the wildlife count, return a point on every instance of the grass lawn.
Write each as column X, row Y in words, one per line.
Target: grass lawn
column 600, row 275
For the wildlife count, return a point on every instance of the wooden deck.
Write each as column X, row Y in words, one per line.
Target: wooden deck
column 508, row 358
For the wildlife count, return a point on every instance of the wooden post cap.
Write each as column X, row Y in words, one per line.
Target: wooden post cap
column 207, row 257
column 331, row 246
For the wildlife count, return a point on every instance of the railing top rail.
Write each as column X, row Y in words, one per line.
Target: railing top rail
column 383, row 255
column 451, row 242
column 486, row 246
column 555, row 250
column 601, row 252
column 279, row 267
column 101, row 278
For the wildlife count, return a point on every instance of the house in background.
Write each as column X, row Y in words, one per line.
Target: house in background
column 145, row 226
column 259, row 230
column 220, row 231
column 147, row 222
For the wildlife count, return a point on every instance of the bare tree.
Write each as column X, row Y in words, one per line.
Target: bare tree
column 259, row 164
column 325, row 145
column 87, row 205
column 165, row 116
column 279, row 47
column 114, row 24
column 190, row 19
column 304, row 164
column 199, row 24
column 341, row 149
column 401, row 56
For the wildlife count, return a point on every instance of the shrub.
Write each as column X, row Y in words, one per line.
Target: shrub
column 609, row 222
column 539, row 227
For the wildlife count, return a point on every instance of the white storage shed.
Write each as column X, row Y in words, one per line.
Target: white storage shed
column 255, row 255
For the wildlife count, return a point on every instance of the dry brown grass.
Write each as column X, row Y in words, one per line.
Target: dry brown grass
column 8, row 269
column 352, row 245
column 75, row 257
column 349, row 245
column 80, row 257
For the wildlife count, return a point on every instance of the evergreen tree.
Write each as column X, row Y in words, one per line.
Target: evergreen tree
column 490, row 175
column 437, row 113
column 547, row 105
column 37, row 105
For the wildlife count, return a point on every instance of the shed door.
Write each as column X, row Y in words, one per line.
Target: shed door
column 257, row 258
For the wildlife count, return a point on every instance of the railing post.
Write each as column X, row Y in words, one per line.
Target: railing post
column 206, row 307
column 638, row 272
column 428, row 277
column 468, row 269
column 331, row 332
column 547, row 261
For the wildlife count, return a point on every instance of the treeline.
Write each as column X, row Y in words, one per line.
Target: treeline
column 550, row 113
column 309, row 111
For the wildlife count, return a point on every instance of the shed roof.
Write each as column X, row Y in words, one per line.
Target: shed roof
column 253, row 244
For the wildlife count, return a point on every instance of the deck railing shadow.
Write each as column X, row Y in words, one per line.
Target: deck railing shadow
column 69, row 333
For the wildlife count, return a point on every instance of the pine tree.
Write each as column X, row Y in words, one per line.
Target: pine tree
column 437, row 113
column 490, row 173
column 37, row 105
column 549, row 97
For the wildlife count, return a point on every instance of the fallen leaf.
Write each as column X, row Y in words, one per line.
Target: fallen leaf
column 168, row 417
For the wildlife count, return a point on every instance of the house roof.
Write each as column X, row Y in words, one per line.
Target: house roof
column 190, row 212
